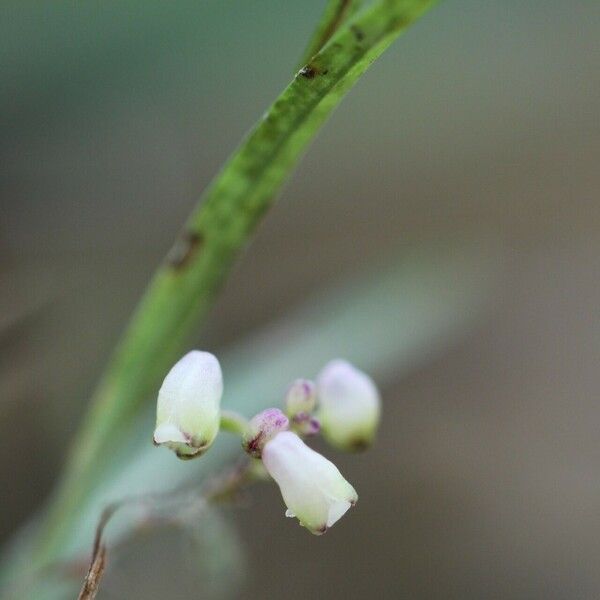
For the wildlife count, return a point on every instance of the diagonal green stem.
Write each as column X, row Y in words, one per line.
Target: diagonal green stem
column 336, row 13
column 185, row 286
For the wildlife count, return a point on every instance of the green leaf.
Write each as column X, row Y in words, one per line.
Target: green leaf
column 336, row 13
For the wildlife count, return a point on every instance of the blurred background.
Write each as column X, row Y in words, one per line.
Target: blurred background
column 481, row 122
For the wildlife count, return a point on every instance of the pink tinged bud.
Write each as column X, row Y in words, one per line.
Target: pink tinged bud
column 349, row 406
column 313, row 489
column 262, row 428
column 300, row 398
column 188, row 408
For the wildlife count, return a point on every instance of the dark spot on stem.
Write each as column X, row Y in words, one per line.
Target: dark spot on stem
column 184, row 249
column 308, row 72
column 311, row 71
column 359, row 34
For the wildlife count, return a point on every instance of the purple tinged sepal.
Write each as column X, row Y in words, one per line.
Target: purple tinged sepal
column 262, row 428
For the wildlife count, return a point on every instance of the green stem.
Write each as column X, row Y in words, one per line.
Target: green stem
column 336, row 13
column 184, row 288
column 233, row 422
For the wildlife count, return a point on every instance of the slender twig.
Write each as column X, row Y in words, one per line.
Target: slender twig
column 222, row 488
column 91, row 585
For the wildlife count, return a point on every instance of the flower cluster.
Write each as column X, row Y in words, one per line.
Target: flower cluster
column 343, row 404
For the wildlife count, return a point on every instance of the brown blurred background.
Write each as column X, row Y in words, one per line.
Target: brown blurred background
column 483, row 120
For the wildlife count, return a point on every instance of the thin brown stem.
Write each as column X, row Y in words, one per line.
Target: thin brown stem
column 91, row 584
column 222, row 488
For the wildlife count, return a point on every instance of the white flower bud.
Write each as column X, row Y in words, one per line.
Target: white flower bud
column 313, row 489
column 349, row 406
column 300, row 398
column 262, row 428
column 188, row 409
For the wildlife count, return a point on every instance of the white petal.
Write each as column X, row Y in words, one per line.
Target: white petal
column 312, row 487
column 168, row 433
column 337, row 511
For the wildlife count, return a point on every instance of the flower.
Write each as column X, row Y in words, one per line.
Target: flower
column 312, row 487
column 188, row 409
column 349, row 406
column 262, row 428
